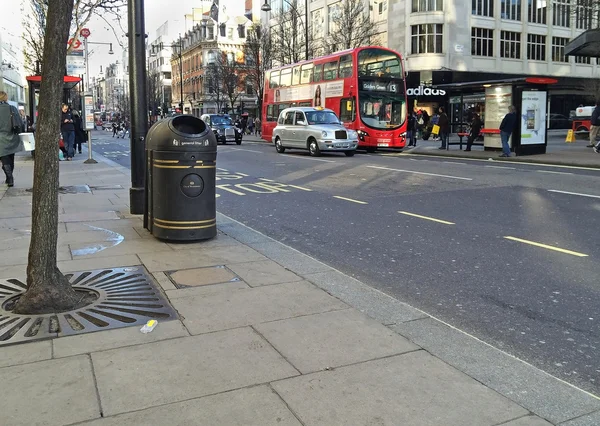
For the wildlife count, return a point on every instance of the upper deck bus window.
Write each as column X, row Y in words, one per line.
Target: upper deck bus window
column 286, row 77
column 346, row 66
column 274, row 79
column 307, row 73
column 330, row 70
column 318, row 73
column 379, row 63
column 296, row 76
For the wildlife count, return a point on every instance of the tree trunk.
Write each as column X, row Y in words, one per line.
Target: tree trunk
column 47, row 289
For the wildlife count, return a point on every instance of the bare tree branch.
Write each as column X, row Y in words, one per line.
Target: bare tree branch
column 351, row 27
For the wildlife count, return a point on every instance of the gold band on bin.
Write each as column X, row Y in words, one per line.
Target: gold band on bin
column 185, row 225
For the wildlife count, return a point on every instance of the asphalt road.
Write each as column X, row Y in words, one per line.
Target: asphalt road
column 506, row 252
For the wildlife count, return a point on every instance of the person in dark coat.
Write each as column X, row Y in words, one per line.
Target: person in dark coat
column 10, row 127
column 506, row 129
column 444, row 124
column 476, row 125
column 67, row 129
column 411, row 131
column 80, row 135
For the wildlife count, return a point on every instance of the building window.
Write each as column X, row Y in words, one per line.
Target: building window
column 558, row 49
column 318, row 23
column 510, row 9
column 482, row 42
column 583, row 60
column 536, row 47
column 333, row 12
column 483, row 8
column 584, row 15
column 536, row 11
column 426, row 38
column 561, row 13
column 510, row 45
column 427, row 5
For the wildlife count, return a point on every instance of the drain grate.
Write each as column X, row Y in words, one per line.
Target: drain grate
column 126, row 297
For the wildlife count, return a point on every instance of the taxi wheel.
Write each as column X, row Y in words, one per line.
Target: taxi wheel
column 278, row 146
column 239, row 142
column 349, row 153
column 313, row 148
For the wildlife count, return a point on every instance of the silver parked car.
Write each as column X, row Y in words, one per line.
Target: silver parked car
column 316, row 129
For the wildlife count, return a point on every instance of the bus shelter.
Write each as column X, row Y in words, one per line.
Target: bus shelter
column 34, row 82
column 490, row 100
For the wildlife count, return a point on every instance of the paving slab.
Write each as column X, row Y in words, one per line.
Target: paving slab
column 54, row 392
column 105, row 224
column 143, row 376
column 203, row 276
column 291, row 259
column 255, row 406
column 25, row 353
column 99, row 263
column 226, row 310
column 372, row 302
column 110, row 339
column 164, row 281
column 332, row 339
column 220, row 240
column 20, row 256
column 97, row 235
column 206, row 290
column 530, row 387
column 591, row 419
column 409, row 389
column 87, row 216
column 114, row 248
column 266, row 272
column 528, row 421
column 186, row 259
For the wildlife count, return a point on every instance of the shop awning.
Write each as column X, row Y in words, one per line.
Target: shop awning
column 490, row 83
column 70, row 81
column 586, row 45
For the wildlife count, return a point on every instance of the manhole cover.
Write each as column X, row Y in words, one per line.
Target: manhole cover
column 202, row 276
column 126, row 297
column 75, row 189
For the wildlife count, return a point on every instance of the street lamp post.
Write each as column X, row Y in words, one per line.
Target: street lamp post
column 266, row 7
column 90, row 159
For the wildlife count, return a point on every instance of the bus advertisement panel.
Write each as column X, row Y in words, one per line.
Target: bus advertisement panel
column 364, row 86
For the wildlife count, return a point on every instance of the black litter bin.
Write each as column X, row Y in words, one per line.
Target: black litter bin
column 181, row 157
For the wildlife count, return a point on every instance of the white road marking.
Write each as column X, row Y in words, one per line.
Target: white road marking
column 454, row 162
column 266, row 180
column 350, row 199
column 419, row 173
column 223, row 170
column 310, row 158
column 556, row 173
column 501, row 167
column 574, row 193
column 247, row 150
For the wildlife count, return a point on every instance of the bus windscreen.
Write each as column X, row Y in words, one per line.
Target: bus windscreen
column 379, row 63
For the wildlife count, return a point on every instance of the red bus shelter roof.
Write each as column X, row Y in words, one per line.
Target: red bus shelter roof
column 70, row 81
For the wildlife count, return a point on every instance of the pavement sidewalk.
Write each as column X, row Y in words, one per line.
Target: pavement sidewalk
column 265, row 336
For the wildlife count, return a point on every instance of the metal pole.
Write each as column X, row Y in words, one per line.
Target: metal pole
column 181, row 72
column 139, row 103
column 306, row 28
column 90, row 159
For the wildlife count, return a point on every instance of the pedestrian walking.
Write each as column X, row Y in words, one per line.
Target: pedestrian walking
column 444, row 124
column 68, row 131
column 10, row 127
column 115, row 128
column 476, row 126
column 506, row 129
column 595, row 126
column 257, row 128
column 411, row 132
column 80, row 134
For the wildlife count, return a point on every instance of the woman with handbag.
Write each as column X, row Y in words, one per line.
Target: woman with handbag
column 10, row 127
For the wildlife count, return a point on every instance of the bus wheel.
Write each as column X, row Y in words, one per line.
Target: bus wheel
column 371, row 149
column 278, row 146
column 313, row 147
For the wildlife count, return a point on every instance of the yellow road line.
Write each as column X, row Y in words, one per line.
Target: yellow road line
column 349, row 199
column 445, row 222
column 533, row 243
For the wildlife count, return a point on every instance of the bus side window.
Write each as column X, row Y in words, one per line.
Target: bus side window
column 274, row 79
column 347, row 110
column 346, row 66
column 318, row 73
column 270, row 116
column 296, row 76
column 286, row 77
column 330, row 70
column 307, row 74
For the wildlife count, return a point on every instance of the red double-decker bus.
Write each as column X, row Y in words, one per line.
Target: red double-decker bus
column 364, row 86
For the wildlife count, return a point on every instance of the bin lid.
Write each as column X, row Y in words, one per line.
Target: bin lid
column 181, row 133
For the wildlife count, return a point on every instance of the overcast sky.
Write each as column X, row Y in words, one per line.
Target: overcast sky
column 156, row 13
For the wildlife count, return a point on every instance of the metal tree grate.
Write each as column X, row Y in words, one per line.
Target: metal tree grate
column 126, row 297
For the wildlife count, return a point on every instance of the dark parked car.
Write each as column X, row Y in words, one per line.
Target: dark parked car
column 559, row 121
column 223, row 127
